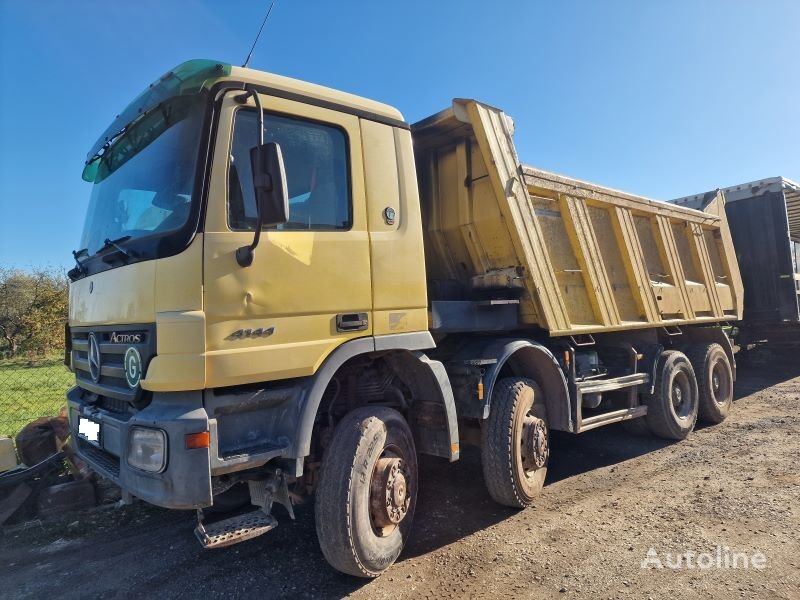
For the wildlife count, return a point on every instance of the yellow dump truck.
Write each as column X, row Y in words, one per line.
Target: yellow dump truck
column 285, row 290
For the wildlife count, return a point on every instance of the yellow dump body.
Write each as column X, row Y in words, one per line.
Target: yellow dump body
column 579, row 257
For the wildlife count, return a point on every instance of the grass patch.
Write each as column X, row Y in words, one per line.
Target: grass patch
column 31, row 389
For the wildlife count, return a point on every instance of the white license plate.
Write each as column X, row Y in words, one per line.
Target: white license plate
column 89, row 430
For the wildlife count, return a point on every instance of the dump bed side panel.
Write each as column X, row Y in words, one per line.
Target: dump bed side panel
column 587, row 259
column 636, row 261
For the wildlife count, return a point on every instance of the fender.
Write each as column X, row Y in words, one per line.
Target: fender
column 433, row 417
column 525, row 358
column 421, row 371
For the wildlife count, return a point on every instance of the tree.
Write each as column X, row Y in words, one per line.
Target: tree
column 33, row 309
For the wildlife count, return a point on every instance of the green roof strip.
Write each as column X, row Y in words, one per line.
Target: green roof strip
column 185, row 79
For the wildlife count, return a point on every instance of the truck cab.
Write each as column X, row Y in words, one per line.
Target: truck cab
column 194, row 372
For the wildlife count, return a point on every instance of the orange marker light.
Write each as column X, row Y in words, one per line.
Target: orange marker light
column 198, row 440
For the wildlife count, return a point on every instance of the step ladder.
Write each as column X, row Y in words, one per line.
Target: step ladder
column 234, row 529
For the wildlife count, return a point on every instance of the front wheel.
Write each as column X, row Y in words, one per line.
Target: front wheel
column 515, row 447
column 367, row 491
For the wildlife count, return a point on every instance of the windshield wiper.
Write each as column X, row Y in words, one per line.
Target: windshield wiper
column 73, row 274
column 116, row 245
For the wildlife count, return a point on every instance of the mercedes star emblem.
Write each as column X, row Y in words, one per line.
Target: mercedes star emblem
column 94, row 358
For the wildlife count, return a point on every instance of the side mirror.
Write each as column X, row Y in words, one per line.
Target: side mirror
column 269, row 181
column 272, row 195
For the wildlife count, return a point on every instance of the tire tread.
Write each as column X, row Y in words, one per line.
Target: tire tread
column 698, row 355
column 498, row 445
column 659, row 416
column 335, row 533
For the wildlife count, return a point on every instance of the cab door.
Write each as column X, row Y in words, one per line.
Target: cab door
column 308, row 289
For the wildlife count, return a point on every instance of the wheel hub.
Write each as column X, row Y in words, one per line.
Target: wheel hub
column 389, row 497
column 677, row 394
column 535, row 446
column 681, row 395
column 677, row 397
column 721, row 383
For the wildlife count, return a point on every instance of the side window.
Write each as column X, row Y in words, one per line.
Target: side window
column 317, row 173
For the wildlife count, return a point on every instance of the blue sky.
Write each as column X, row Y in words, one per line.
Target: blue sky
column 658, row 98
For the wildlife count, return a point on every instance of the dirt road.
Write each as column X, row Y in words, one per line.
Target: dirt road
column 610, row 499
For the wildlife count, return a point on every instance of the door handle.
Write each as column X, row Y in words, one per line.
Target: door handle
column 351, row 321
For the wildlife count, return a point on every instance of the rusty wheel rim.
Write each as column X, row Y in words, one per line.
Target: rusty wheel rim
column 390, row 497
column 534, row 444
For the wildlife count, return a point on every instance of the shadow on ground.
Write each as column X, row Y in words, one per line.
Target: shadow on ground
column 454, row 503
column 155, row 551
column 758, row 371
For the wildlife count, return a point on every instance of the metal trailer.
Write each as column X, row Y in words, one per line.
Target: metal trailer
column 764, row 219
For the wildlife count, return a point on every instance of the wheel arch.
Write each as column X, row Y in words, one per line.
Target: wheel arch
column 526, row 358
column 425, row 377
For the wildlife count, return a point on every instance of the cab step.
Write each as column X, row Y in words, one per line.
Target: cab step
column 234, row 529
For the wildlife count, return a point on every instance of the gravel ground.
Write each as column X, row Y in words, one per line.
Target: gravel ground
column 609, row 499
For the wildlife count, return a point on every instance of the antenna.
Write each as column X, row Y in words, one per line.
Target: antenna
column 260, row 29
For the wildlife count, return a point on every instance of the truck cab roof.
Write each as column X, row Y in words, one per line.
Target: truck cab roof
column 193, row 76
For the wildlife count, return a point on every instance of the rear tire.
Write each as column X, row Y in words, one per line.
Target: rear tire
column 714, row 381
column 365, row 501
column 515, row 447
column 672, row 409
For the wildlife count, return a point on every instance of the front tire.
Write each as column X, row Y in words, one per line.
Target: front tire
column 515, row 447
column 365, row 501
column 672, row 409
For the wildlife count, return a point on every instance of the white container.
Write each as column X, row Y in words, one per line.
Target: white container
column 8, row 456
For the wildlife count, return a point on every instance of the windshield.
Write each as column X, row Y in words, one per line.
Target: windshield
column 143, row 185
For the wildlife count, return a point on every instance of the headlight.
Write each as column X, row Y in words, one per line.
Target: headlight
column 147, row 449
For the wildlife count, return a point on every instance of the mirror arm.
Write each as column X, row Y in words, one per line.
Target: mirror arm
column 244, row 255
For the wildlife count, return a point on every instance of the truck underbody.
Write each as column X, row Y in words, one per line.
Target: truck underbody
column 445, row 396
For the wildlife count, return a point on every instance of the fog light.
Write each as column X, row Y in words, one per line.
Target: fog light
column 147, row 449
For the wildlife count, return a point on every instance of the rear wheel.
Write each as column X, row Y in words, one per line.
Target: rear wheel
column 672, row 409
column 714, row 381
column 515, row 445
column 367, row 492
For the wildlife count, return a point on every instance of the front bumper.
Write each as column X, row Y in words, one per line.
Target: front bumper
column 185, row 482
